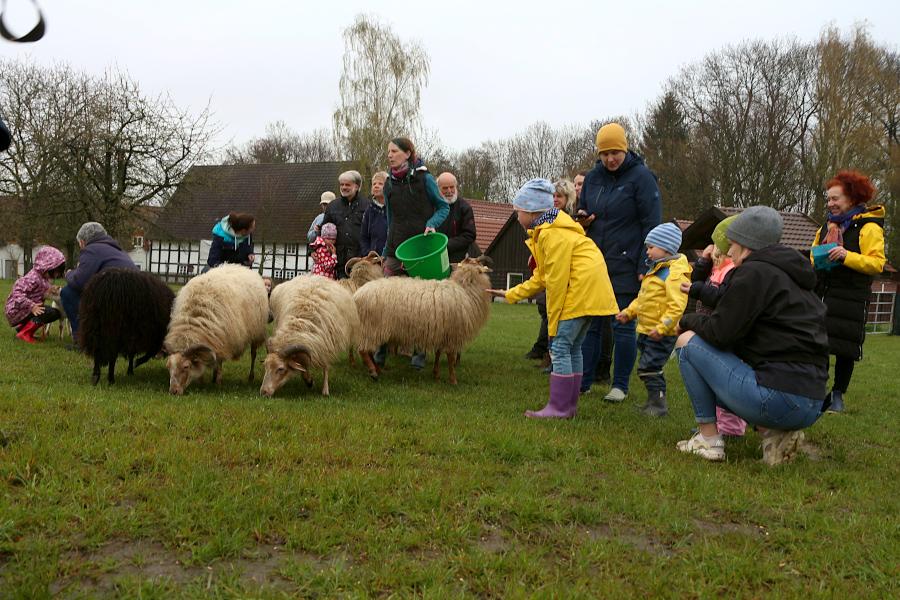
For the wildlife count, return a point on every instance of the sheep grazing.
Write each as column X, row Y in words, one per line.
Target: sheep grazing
column 442, row 316
column 315, row 320
column 123, row 312
column 215, row 317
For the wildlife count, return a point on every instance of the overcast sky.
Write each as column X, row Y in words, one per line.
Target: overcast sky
column 496, row 67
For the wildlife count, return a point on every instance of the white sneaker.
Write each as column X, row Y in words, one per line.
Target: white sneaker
column 780, row 446
column 614, row 395
column 714, row 450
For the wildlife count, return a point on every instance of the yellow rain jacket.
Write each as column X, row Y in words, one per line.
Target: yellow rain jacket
column 572, row 270
column 870, row 259
column 660, row 303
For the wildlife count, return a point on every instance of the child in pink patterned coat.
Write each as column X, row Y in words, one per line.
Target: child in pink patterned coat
column 25, row 308
column 324, row 253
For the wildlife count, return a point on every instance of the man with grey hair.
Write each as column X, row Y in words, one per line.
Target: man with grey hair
column 347, row 213
column 459, row 226
column 98, row 252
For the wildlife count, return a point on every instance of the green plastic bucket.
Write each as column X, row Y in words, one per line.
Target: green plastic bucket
column 425, row 256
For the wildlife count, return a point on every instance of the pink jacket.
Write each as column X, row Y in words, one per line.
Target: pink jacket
column 29, row 289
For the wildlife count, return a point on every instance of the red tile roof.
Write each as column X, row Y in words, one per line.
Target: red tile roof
column 489, row 220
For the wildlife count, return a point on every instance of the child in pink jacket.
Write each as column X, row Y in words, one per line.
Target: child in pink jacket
column 25, row 309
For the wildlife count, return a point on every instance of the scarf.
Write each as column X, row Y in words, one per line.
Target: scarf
column 401, row 172
column 547, row 217
column 838, row 224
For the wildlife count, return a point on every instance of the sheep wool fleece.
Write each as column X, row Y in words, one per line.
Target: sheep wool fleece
column 571, row 269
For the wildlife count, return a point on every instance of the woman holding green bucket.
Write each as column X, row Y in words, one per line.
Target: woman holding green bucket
column 413, row 204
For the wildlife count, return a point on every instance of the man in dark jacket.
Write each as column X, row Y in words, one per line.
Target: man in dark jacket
column 459, row 226
column 347, row 213
column 98, row 252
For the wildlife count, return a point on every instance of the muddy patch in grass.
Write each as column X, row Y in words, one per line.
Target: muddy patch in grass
column 630, row 536
column 103, row 569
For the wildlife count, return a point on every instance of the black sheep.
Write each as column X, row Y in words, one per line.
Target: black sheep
column 123, row 312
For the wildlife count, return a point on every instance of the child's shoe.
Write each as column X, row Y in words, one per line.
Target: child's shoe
column 713, row 449
column 656, row 404
column 26, row 333
column 615, row 395
column 837, row 402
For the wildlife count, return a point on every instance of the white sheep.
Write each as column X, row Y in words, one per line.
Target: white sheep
column 315, row 320
column 426, row 314
column 361, row 270
column 214, row 318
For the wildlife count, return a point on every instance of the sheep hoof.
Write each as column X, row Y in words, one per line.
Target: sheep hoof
column 374, row 376
column 95, row 379
column 309, row 383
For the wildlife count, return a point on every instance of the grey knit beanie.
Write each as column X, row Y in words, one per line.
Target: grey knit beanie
column 90, row 231
column 756, row 227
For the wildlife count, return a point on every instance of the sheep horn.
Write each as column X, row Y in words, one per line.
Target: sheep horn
column 200, row 353
column 350, row 263
column 485, row 260
column 296, row 354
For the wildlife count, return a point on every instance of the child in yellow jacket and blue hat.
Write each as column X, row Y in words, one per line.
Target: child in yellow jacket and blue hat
column 658, row 308
column 572, row 270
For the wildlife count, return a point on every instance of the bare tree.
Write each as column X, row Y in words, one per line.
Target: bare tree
column 128, row 149
column 380, row 90
column 281, row 144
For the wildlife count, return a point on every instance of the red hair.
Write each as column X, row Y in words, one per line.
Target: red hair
column 857, row 187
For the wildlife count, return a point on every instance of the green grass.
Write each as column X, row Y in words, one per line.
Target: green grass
column 407, row 487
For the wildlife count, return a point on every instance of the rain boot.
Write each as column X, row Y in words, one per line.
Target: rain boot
column 563, row 401
column 656, row 404
column 26, row 334
column 576, row 390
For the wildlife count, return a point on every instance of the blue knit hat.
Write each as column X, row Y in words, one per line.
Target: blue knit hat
column 535, row 196
column 666, row 236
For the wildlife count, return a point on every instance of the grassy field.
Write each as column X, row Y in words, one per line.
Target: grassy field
column 408, row 487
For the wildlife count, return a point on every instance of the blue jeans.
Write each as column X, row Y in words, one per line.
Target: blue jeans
column 654, row 356
column 70, row 300
column 565, row 350
column 624, row 349
column 716, row 378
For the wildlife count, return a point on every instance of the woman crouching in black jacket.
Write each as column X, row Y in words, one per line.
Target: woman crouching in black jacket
column 763, row 352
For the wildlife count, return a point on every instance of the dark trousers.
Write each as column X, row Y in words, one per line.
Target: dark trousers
column 70, row 300
column 843, row 371
column 624, row 347
column 654, row 356
column 542, row 343
column 49, row 315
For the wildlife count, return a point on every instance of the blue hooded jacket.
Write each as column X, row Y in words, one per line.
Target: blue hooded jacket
column 627, row 205
column 228, row 247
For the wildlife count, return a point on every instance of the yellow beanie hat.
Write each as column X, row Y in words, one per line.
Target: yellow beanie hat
column 611, row 137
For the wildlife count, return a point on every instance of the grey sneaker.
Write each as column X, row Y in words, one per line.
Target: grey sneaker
column 614, row 395
column 714, row 450
column 780, row 446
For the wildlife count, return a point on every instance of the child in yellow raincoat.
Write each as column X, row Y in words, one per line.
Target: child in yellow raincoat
column 572, row 270
column 658, row 308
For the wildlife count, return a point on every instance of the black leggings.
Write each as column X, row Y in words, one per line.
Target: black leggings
column 843, row 371
column 49, row 315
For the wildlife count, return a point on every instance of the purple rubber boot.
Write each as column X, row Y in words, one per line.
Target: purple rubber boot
column 563, row 401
